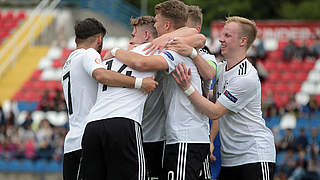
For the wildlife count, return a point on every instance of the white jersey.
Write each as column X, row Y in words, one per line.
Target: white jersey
column 80, row 91
column 154, row 114
column 118, row 101
column 243, row 133
column 184, row 123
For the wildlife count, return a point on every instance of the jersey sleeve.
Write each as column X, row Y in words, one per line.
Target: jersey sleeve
column 92, row 61
column 172, row 58
column 239, row 92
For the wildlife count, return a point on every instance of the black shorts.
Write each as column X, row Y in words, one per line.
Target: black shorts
column 71, row 162
column 184, row 161
column 112, row 149
column 251, row 171
column 154, row 157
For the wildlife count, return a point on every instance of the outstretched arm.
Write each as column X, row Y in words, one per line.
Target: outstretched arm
column 138, row 61
column 213, row 133
column 112, row 78
column 183, row 79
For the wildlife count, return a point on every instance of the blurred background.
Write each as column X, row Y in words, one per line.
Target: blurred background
column 37, row 36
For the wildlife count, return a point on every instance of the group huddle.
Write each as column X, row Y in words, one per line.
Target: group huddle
column 143, row 113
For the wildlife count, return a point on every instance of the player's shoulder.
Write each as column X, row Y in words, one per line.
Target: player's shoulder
column 245, row 68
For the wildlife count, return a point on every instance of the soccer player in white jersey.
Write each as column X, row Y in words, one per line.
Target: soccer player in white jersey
column 247, row 145
column 187, row 131
column 81, row 72
column 112, row 141
column 154, row 115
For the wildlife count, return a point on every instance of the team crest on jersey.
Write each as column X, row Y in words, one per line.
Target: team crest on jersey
column 169, row 55
column 230, row 96
column 97, row 60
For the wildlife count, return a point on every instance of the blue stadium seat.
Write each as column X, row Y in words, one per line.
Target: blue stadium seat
column 14, row 166
column 3, row 165
column 27, row 165
column 54, row 167
column 40, row 166
column 27, row 106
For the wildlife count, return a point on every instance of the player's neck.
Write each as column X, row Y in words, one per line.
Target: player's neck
column 85, row 46
column 234, row 60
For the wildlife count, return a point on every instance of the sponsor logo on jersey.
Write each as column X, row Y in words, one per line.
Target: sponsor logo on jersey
column 230, row 96
column 169, row 55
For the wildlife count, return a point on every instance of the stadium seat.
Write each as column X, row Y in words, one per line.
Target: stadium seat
column 58, row 63
column 288, row 77
column 54, row 167
column 301, row 76
column 318, row 98
column 270, row 66
column 281, row 88
column 308, row 65
column 27, row 165
column 21, row 15
column 294, row 87
column 40, row 165
column 275, row 55
column 295, row 65
column 3, row 165
column 274, row 77
column 282, row 66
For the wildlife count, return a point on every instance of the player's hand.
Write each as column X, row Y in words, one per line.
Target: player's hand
column 157, row 44
column 149, row 84
column 212, row 157
column 108, row 55
column 183, row 77
column 180, row 47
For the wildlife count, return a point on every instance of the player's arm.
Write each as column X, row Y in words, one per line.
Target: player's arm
column 138, row 61
column 112, row 78
column 183, row 79
column 207, row 71
column 213, row 133
column 161, row 42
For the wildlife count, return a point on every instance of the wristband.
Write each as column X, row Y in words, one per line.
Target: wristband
column 138, row 83
column 194, row 53
column 189, row 91
column 113, row 51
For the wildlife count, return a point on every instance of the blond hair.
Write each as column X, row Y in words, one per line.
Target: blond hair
column 195, row 15
column 146, row 21
column 248, row 28
column 174, row 10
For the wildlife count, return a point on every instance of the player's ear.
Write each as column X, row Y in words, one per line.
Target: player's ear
column 243, row 41
column 146, row 35
column 168, row 25
column 99, row 39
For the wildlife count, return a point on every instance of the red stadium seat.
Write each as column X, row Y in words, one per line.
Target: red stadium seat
column 282, row 66
column 36, row 75
column 39, row 85
column 8, row 16
column 58, row 63
column 270, row 66
column 275, row 55
column 19, row 96
column 268, row 86
column 52, row 85
column 295, row 65
column 281, row 88
column 274, row 77
column 308, row 65
column 21, row 15
column 301, row 76
column 318, row 98
column 281, row 100
column 282, row 44
column 288, row 77
column 294, row 87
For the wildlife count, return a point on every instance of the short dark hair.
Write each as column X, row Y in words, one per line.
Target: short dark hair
column 174, row 10
column 146, row 21
column 195, row 15
column 88, row 27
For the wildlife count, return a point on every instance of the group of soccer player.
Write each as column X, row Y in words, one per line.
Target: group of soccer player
column 142, row 113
